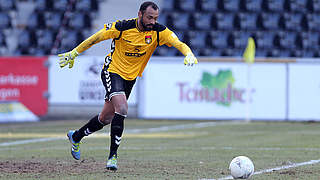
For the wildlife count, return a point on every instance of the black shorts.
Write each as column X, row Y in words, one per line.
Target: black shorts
column 115, row 84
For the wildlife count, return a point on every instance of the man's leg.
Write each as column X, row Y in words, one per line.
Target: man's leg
column 95, row 124
column 117, row 125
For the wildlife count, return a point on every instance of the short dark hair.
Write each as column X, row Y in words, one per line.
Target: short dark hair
column 146, row 4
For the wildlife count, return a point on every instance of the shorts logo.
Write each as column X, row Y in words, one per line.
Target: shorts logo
column 148, row 39
column 108, row 80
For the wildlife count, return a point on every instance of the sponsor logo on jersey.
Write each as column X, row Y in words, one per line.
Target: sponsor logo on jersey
column 148, row 39
column 134, row 54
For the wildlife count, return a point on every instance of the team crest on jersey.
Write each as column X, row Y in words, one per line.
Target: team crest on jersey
column 148, row 39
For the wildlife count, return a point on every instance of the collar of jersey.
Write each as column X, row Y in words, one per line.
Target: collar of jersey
column 137, row 25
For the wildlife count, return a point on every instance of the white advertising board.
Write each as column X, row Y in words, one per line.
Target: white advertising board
column 80, row 85
column 211, row 90
column 304, row 93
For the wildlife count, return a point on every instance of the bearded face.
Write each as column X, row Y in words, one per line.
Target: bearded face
column 148, row 18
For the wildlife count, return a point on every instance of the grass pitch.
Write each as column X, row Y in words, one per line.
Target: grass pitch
column 160, row 150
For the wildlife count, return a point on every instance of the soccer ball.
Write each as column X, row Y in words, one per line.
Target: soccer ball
column 241, row 167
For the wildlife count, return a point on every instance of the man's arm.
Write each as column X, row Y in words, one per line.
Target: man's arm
column 94, row 39
column 108, row 32
column 170, row 39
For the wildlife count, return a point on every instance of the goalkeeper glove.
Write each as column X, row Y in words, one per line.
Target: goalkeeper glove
column 68, row 58
column 190, row 59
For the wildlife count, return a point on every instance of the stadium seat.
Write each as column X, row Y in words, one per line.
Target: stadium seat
column 310, row 40
column 36, row 21
column 273, row 53
column 187, row 5
column 26, row 39
column 316, row 54
column 70, row 39
column 297, row 5
column 181, row 21
column 265, row 39
column 292, row 21
column 296, row 53
column 162, row 19
column 269, row 21
column 273, row 5
column 197, row 39
column 53, row 20
column 41, row 5
column 167, row 6
column 232, row 52
column 239, row 39
column 209, row 5
column 60, row 5
column 2, row 39
column 215, row 52
column 247, row 21
column 203, row 21
column 261, row 52
column 307, row 53
column 231, row 5
column 286, row 40
column 166, row 51
column 284, row 53
column 170, row 21
column 253, row 5
column 7, row 5
column 83, row 5
column 315, row 4
column 219, row 39
column 205, row 52
column 79, row 20
column 313, row 22
column 5, row 21
column 44, row 39
column 225, row 21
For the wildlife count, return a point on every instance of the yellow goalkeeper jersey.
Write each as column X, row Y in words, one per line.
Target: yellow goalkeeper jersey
column 131, row 49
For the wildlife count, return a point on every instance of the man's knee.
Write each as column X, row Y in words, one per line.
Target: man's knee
column 105, row 119
column 122, row 109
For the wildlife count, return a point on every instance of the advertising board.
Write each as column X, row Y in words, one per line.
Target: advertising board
column 80, row 85
column 304, row 91
column 212, row 90
column 25, row 79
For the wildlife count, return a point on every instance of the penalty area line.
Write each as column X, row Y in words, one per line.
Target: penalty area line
column 294, row 165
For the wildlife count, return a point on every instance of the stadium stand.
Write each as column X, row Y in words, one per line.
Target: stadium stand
column 285, row 28
column 281, row 28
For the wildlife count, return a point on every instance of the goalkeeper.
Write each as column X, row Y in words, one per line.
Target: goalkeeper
column 133, row 42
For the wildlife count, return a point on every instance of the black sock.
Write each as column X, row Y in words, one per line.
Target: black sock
column 117, row 126
column 92, row 126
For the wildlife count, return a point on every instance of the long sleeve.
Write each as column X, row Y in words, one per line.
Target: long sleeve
column 108, row 32
column 170, row 39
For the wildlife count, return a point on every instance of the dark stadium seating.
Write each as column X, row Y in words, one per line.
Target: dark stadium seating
column 37, row 35
column 285, row 28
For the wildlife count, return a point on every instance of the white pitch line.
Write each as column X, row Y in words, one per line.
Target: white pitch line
column 294, row 165
column 29, row 141
column 129, row 131
column 260, row 148
column 162, row 148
